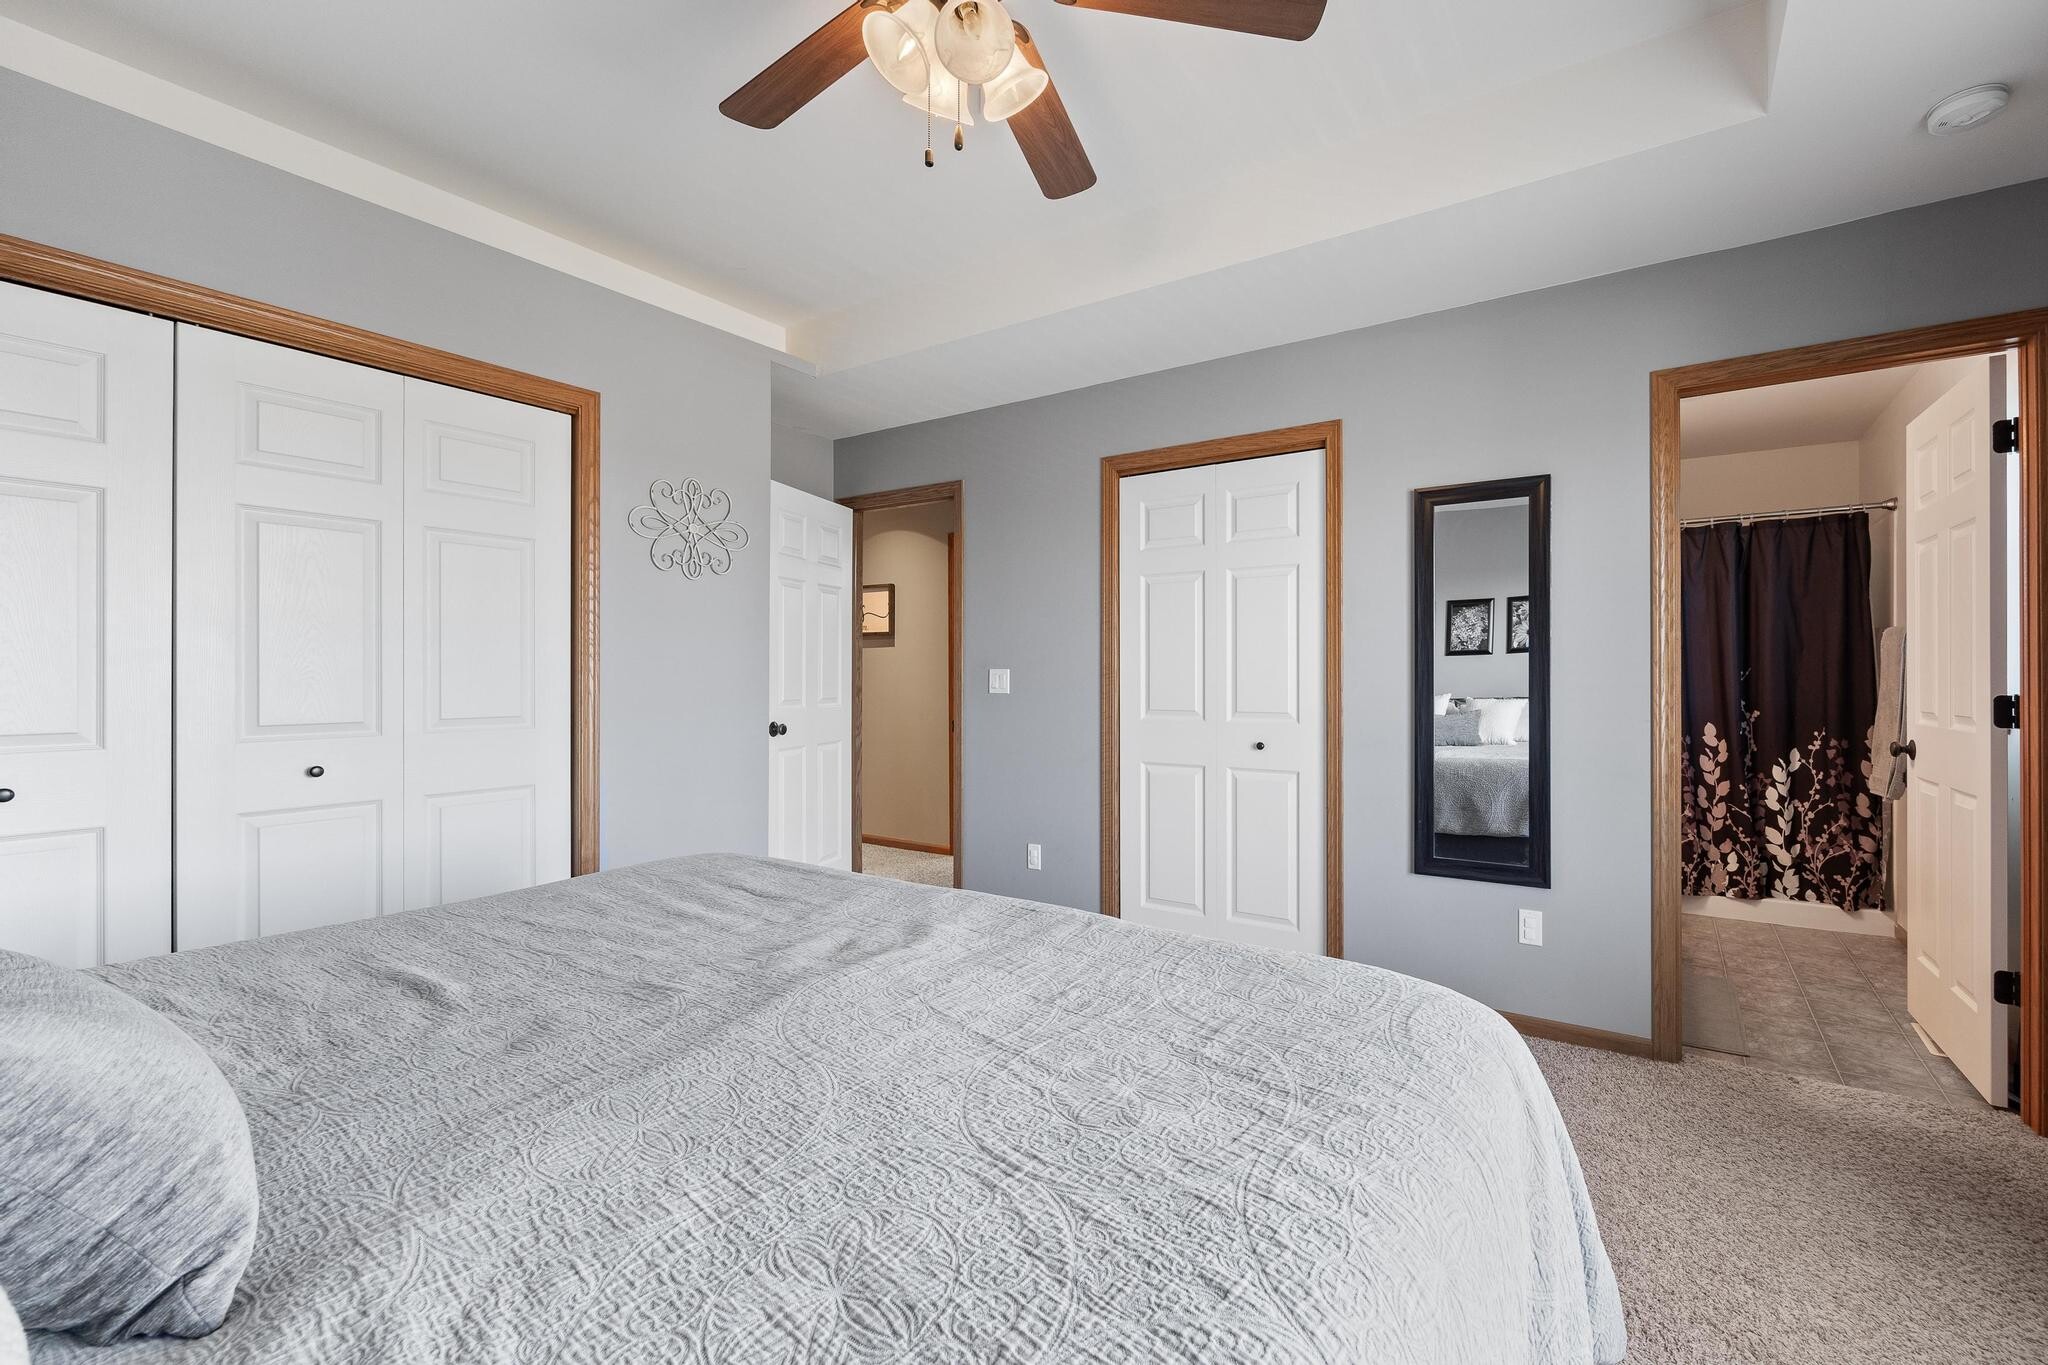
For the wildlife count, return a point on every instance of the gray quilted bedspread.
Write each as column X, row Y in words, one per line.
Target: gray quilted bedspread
column 1482, row 789
column 724, row 1109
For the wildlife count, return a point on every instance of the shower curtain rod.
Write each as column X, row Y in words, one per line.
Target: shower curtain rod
column 1887, row 505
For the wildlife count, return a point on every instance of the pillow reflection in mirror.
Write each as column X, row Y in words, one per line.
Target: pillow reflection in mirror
column 1458, row 728
column 1500, row 720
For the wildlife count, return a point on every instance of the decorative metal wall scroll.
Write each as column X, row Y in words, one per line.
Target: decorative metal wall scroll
column 691, row 527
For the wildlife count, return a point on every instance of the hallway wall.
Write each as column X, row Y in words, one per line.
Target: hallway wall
column 905, row 761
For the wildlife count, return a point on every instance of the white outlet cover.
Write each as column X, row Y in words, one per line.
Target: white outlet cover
column 999, row 680
column 1034, row 857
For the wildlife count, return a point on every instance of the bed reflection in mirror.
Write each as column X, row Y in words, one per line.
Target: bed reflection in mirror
column 1482, row 671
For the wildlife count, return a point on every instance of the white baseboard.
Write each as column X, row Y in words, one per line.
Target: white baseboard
column 1791, row 914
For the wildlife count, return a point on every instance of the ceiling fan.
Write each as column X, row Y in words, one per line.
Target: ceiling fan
column 931, row 50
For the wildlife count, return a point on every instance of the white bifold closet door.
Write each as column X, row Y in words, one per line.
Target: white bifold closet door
column 1220, row 619
column 85, row 629
column 372, row 628
column 486, row 645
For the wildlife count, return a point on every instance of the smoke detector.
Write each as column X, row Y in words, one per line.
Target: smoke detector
column 1966, row 109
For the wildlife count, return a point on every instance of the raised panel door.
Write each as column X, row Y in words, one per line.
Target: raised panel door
column 487, row 578
column 290, row 727
column 85, row 629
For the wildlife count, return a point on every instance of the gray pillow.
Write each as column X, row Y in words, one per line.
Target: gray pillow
column 127, row 1186
column 1457, row 728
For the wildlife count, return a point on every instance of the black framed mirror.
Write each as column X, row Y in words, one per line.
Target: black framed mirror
column 1482, row 681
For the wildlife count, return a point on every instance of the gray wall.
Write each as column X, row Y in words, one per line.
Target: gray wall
column 905, row 719
column 681, row 662
column 800, row 460
column 1481, row 552
column 1553, row 382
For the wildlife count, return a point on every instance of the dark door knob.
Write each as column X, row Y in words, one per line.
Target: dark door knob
column 1259, row 744
column 316, row 771
column 1911, row 749
column 777, row 728
column 6, row 795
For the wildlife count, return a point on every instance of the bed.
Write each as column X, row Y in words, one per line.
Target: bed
column 1482, row 790
column 724, row 1109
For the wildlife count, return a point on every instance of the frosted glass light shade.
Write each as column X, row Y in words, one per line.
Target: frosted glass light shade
column 898, row 43
column 1009, row 93
column 974, row 39
column 946, row 96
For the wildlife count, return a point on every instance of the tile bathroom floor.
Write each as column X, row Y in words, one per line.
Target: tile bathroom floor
column 1811, row 1003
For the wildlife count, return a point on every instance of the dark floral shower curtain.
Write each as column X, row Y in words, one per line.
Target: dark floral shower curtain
column 1780, row 698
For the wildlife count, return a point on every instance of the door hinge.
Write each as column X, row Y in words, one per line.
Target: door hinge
column 2005, row 988
column 2005, row 712
column 2005, row 435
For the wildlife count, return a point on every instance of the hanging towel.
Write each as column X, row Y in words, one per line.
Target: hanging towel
column 1888, row 774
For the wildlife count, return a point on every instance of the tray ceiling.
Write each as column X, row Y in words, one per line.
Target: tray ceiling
column 1408, row 157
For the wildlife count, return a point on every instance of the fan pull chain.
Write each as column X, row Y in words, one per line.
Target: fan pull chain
column 959, row 102
column 928, row 162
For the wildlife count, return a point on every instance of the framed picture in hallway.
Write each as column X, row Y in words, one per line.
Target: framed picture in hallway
column 1468, row 625
column 878, row 614
column 1518, row 625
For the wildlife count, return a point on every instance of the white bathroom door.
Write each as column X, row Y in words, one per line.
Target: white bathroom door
column 290, row 661
column 487, row 509
column 810, row 679
column 1957, row 934
column 85, row 630
column 1221, row 707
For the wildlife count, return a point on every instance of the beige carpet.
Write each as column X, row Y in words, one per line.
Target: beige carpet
column 906, row 865
column 1755, row 1217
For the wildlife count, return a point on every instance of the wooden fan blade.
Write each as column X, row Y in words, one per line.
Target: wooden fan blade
column 1047, row 135
column 801, row 74
column 1290, row 19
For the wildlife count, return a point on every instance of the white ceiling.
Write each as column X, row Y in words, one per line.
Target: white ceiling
column 1811, row 412
column 1411, row 156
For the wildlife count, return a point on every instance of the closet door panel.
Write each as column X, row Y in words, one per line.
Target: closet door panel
column 85, row 622
column 1221, row 711
column 310, row 619
column 487, row 645
column 290, row 643
column 52, row 545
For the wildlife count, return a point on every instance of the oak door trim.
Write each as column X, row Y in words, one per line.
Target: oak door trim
column 1329, row 438
column 67, row 272
column 910, row 845
column 2026, row 332
column 955, row 628
column 956, row 547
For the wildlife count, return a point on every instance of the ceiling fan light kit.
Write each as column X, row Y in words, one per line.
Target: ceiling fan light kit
column 932, row 55
column 932, row 50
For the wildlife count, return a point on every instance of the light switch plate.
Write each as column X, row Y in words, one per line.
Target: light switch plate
column 999, row 680
column 1532, row 928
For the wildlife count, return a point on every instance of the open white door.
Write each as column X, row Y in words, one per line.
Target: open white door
column 1956, row 797
column 1220, row 613
column 810, row 679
